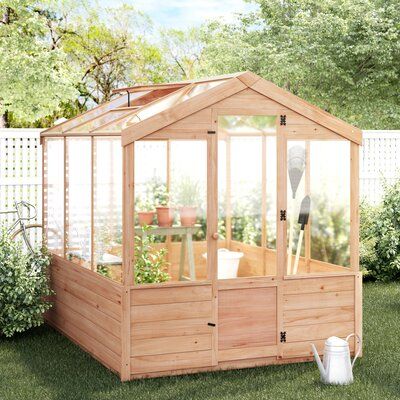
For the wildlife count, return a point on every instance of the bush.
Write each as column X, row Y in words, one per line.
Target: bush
column 380, row 236
column 24, row 287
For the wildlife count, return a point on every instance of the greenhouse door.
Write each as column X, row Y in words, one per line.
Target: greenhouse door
column 243, row 198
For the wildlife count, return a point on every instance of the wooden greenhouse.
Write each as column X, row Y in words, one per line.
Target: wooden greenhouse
column 203, row 225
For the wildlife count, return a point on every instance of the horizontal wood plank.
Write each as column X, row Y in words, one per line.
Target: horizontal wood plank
column 318, row 316
column 318, row 331
column 318, row 300
column 172, row 344
column 156, row 329
column 171, row 295
column 248, row 352
column 173, row 311
column 319, row 285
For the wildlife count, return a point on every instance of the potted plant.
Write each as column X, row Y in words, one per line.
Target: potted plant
column 188, row 198
column 165, row 213
column 145, row 212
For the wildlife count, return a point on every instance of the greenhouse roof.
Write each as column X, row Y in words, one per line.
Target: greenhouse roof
column 140, row 110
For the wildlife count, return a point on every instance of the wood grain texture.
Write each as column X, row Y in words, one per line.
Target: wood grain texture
column 247, row 318
column 318, row 316
column 318, row 285
column 246, row 353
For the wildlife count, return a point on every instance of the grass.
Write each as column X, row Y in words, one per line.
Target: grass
column 42, row 365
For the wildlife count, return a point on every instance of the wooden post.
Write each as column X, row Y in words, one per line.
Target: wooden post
column 45, row 189
column 228, row 193
column 66, row 198
column 168, row 238
column 307, row 229
column 92, row 176
column 128, row 257
column 281, row 228
column 264, row 201
column 354, row 206
column 212, row 229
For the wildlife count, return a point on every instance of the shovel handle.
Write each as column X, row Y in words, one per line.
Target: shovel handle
column 358, row 338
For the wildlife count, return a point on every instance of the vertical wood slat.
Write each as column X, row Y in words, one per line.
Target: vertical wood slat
column 228, row 204
column 128, row 257
column 264, row 200
column 281, row 226
column 307, row 230
column 168, row 184
column 212, row 227
column 44, row 187
column 66, row 198
column 92, row 175
column 354, row 206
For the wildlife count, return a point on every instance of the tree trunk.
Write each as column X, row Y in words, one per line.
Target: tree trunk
column 4, row 120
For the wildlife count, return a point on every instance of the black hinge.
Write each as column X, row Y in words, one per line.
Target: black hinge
column 283, row 215
column 211, row 132
column 283, row 337
column 211, row 324
column 283, row 119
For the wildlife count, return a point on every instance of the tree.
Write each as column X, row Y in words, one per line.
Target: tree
column 35, row 78
column 109, row 49
column 342, row 55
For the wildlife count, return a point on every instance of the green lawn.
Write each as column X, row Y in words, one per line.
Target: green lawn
column 44, row 365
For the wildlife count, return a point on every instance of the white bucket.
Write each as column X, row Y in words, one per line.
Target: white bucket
column 228, row 263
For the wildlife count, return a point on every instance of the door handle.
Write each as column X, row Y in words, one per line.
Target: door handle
column 215, row 236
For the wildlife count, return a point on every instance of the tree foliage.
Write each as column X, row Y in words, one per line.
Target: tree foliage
column 35, row 78
column 342, row 55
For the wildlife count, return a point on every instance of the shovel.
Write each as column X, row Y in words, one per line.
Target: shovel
column 303, row 221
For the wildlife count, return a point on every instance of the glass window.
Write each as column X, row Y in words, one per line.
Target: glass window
column 107, row 207
column 54, row 195
column 170, row 211
column 246, row 196
column 78, row 203
column 318, row 206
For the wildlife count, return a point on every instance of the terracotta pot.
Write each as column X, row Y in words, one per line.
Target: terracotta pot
column 188, row 215
column 165, row 216
column 145, row 217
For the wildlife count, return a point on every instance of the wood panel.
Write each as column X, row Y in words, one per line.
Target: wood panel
column 318, row 285
column 318, row 316
column 166, row 345
column 247, row 318
column 170, row 362
column 318, row 300
column 303, row 349
column 165, row 312
column 246, row 353
column 170, row 328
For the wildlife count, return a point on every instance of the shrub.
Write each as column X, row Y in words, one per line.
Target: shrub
column 380, row 236
column 24, row 286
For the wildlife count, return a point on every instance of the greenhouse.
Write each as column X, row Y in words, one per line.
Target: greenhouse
column 202, row 225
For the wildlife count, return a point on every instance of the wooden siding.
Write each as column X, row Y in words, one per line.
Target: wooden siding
column 169, row 328
column 87, row 309
column 314, row 309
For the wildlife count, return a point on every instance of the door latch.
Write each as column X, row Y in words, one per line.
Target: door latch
column 211, row 324
column 283, row 337
column 283, row 215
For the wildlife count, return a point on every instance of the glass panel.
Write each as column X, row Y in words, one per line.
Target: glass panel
column 54, row 195
column 107, row 207
column 246, row 196
column 318, row 206
column 103, row 119
column 79, row 201
column 170, row 211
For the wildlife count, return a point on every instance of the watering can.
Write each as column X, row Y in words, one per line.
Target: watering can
column 337, row 367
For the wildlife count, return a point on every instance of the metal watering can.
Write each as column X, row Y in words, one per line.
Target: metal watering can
column 337, row 368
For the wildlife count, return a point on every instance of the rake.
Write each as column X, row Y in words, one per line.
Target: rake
column 303, row 221
column 296, row 165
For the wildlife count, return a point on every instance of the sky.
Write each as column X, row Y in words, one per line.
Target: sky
column 181, row 14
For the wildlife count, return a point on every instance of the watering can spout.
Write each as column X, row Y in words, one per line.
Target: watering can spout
column 319, row 362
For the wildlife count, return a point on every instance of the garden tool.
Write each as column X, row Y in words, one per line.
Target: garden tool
column 303, row 221
column 296, row 165
column 337, row 368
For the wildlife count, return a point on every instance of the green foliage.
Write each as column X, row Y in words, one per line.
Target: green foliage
column 35, row 76
column 187, row 192
column 341, row 55
column 150, row 264
column 380, row 236
column 24, row 286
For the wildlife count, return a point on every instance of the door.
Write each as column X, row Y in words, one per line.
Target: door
column 243, row 241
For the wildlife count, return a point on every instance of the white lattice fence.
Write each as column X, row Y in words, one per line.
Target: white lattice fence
column 380, row 162
column 20, row 170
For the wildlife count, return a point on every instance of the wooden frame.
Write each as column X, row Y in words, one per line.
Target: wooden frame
column 192, row 326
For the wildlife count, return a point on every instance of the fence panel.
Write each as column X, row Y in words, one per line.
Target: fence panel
column 20, row 171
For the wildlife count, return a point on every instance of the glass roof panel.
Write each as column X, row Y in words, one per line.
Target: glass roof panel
column 95, row 112
column 102, row 120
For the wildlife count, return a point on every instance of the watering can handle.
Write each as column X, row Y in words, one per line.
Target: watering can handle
column 358, row 345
